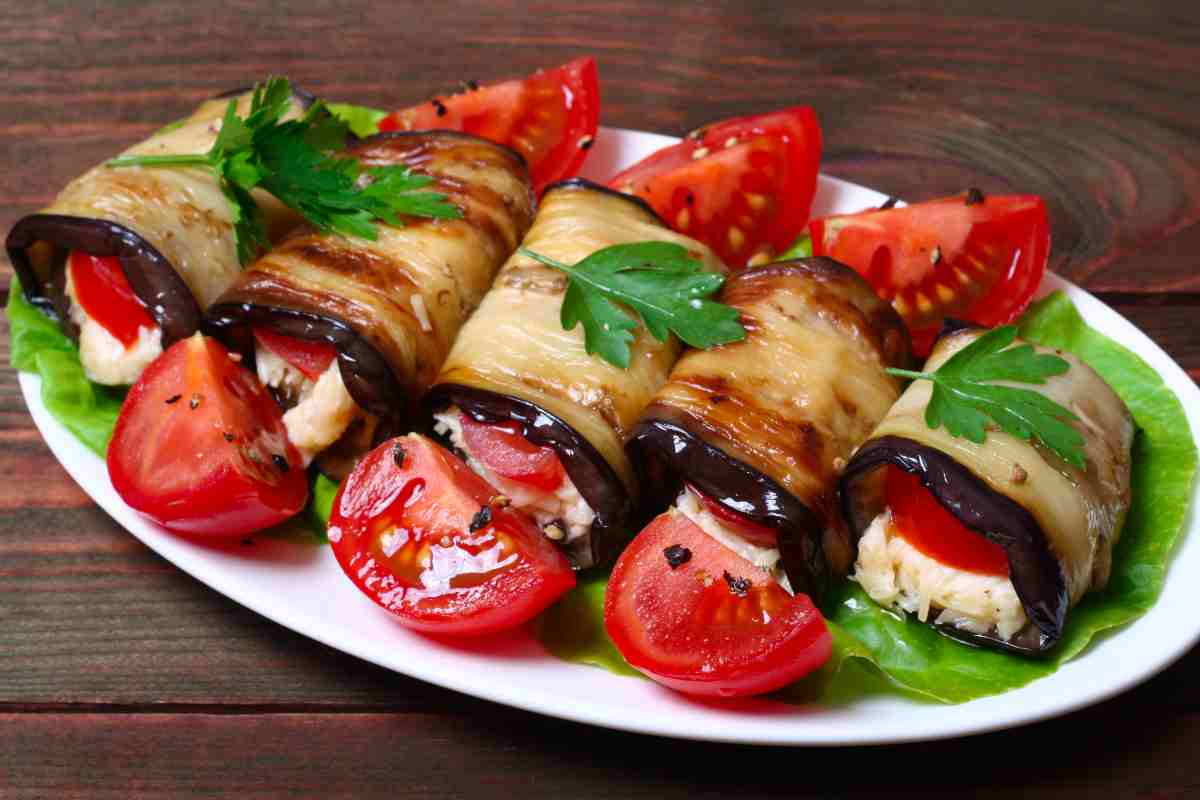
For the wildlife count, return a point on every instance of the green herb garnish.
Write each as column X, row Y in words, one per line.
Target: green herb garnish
column 291, row 160
column 660, row 282
column 966, row 394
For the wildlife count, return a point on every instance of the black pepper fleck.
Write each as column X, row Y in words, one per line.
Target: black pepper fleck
column 175, row 398
column 247, row 542
column 586, row 143
column 739, row 586
column 974, row 196
column 440, row 106
column 890, row 203
column 280, row 462
column 398, row 454
column 195, row 401
column 229, row 437
column 482, row 519
column 691, row 198
column 677, row 555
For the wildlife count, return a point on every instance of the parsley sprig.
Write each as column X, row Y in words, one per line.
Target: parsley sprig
column 966, row 394
column 292, row 160
column 659, row 282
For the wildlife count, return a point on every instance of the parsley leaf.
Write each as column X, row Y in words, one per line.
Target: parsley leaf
column 966, row 396
column 659, row 281
column 292, row 160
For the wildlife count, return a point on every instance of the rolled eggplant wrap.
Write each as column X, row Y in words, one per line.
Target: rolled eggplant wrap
column 514, row 368
column 749, row 438
column 383, row 312
column 168, row 231
column 1017, row 535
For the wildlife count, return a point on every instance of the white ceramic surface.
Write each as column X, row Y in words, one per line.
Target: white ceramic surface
column 302, row 588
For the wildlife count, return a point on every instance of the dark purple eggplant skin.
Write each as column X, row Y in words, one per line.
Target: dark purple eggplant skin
column 1035, row 573
column 666, row 452
column 570, row 183
column 151, row 276
column 595, row 479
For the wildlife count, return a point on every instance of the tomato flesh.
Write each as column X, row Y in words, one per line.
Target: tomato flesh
column 714, row 624
column 502, row 449
column 419, row 533
column 761, row 535
column 104, row 293
column 978, row 261
column 743, row 186
column 311, row 358
column 549, row 117
column 200, row 446
column 925, row 524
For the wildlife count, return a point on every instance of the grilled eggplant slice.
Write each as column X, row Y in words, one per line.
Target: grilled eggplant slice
column 513, row 362
column 763, row 426
column 391, row 307
column 172, row 229
column 1056, row 523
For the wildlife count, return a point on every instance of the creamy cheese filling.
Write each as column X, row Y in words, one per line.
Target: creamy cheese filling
column 105, row 359
column 324, row 408
column 767, row 558
column 897, row 575
column 564, row 506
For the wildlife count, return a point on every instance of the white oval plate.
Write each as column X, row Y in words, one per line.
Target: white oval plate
column 302, row 588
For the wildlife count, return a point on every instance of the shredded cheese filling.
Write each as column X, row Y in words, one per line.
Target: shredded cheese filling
column 897, row 575
column 767, row 558
column 324, row 409
column 105, row 359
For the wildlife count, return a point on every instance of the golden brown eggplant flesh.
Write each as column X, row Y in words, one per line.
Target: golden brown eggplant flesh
column 764, row 425
column 171, row 229
column 1057, row 523
column 391, row 307
column 513, row 362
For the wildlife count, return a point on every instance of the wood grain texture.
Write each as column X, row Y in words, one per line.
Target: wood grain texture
column 120, row 676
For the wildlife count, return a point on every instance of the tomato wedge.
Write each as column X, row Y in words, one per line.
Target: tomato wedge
column 503, row 450
column 423, row 536
column 105, row 295
column 761, row 535
column 697, row 617
column 743, row 186
column 549, row 117
column 925, row 524
column 200, row 446
column 311, row 358
column 967, row 257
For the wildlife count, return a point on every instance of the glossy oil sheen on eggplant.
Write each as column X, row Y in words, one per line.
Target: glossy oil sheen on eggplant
column 393, row 306
column 172, row 228
column 514, row 361
column 1057, row 523
column 764, row 425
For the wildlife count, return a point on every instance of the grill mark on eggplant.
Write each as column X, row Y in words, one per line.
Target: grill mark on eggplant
column 1034, row 571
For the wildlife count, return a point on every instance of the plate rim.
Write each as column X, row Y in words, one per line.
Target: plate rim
column 743, row 724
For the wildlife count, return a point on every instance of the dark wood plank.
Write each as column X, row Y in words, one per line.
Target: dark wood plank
column 1093, row 111
column 506, row 754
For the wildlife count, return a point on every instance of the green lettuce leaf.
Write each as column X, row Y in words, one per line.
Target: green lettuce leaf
column 87, row 409
column 363, row 121
column 877, row 650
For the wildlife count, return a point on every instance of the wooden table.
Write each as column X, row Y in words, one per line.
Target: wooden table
column 121, row 676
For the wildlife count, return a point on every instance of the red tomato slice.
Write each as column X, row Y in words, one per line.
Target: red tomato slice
column 713, row 624
column 743, row 186
column 311, row 358
column 418, row 533
column 925, row 524
column 503, row 450
column 105, row 294
column 761, row 535
column 200, row 446
column 549, row 117
column 975, row 261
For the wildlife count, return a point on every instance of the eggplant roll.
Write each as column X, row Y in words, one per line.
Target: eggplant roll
column 763, row 426
column 1055, row 523
column 514, row 364
column 391, row 307
column 171, row 229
